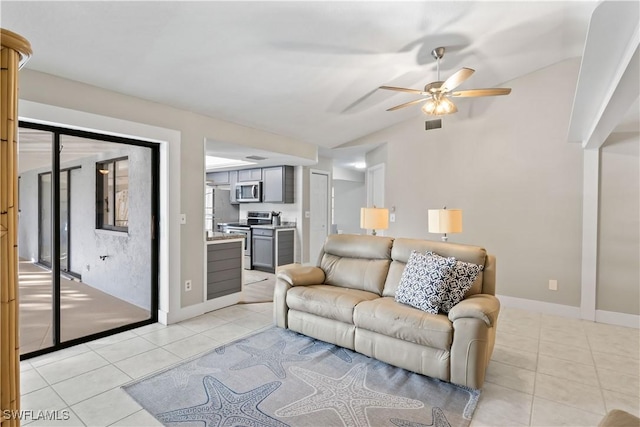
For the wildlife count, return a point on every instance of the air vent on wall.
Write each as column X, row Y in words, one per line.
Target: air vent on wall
column 256, row 158
column 433, row 124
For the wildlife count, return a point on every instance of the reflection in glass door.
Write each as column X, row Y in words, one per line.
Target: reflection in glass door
column 44, row 219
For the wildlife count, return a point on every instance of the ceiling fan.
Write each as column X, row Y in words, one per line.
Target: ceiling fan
column 436, row 94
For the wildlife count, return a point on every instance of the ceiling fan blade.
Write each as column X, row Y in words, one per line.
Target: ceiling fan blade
column 406, row 104
column 403, row 89
column 482, row 92
column 456, row 79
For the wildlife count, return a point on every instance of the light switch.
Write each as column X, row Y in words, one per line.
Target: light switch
column 392, row 217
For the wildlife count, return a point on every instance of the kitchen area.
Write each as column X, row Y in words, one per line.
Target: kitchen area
column 232, row 200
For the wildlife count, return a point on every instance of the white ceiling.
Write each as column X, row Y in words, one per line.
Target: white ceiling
column 307, row 70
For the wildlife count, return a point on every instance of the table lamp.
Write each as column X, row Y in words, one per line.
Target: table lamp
column 445, row 221
column 374, row 219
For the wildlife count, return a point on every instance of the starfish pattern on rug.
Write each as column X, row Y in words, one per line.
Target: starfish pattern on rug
column 225, row 408
column 318, row 346
column 439, row 420
column 181, row 376
column 272, row 357
column 223, row 348
column 348, row 396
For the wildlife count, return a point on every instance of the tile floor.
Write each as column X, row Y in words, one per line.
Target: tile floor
column 546, row 370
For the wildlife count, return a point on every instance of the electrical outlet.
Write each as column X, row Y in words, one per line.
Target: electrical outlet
column 392, row 217
column 187, row 285
column 183, row 218
column 553, row 285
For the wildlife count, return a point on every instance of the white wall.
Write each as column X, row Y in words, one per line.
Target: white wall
column 618, row 283
column 349, row 197
column 506, row 163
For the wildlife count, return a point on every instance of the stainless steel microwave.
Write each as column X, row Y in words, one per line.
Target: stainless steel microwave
column 250, row 191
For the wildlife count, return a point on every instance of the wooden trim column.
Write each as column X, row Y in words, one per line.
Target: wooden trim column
column 15, row 52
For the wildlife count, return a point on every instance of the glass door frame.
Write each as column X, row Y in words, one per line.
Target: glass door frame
column 57, row 131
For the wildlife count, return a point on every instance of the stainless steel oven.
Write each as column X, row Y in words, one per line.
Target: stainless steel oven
column 241, row 229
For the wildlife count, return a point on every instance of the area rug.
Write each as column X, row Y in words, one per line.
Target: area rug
column 277, row 377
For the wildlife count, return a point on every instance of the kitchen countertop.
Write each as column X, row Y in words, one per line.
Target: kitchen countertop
column 217, row 236
column 275, row 227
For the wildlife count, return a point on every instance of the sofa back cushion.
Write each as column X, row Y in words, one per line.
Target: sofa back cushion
column 356, row 262
column 402, row 251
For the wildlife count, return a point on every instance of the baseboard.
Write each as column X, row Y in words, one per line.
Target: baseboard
column 608, row 317
column 540, row 306
column 620, row 319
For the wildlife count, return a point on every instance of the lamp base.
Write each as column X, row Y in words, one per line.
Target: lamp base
column 444, row 238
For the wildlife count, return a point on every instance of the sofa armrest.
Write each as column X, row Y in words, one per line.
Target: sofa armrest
column 480, row 306
column 301, row 276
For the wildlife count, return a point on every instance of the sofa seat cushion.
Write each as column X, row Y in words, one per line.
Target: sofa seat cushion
column 327, row 301
column 388, row 317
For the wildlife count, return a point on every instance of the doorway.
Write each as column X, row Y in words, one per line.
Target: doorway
column 319, row 212
column 87, row 241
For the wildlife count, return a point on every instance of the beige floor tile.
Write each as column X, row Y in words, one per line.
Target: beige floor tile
column 192, row 346
column 113, row 339
column 619, row 382
column 106, row 408
column 90, row 384
column 203, row 323
column 546, row 413
column 45, row 399
column 567, row 324
column 578, row 372
column 64, row 418
column 227, row 333
column 514, row 357
column 501, row 406
column 566, row 352
column 125, row 349
column 168, row 335
column 625, row 402
column 231, row 313
column 140, row 418
column 620, row 344
column 254, row 321
column 516, row 314
column 625, row 365
column 571, row 393
column 575, row 338
column 146, row 363
column 511, row 376
column 59, row 355
column 71, row 366
column 148, row 328
column 262, row 307
column 525, row 327
column 30, row 381
column 518, row 342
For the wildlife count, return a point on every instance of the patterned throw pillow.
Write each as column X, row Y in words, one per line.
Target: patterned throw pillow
column 458, row 282
column 422, row 284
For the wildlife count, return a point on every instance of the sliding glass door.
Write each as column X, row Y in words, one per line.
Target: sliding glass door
column 97, row 212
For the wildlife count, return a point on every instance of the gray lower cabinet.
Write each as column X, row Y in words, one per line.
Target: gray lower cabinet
column 262, row 249
column 268, row 252
column 224, row 269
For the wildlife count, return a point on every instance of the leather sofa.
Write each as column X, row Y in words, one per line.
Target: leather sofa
column 348, row 300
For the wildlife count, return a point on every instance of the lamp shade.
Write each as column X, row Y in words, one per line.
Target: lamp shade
column 445, row 221
column 374, row 218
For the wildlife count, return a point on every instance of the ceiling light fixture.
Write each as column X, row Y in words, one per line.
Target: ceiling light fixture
column 360, row 165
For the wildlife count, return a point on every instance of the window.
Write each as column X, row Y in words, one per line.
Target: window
column 112, row 194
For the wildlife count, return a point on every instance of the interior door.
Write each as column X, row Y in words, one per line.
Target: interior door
column 319, row 207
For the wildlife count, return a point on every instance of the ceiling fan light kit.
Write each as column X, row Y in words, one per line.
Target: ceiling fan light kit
column 436, row 94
